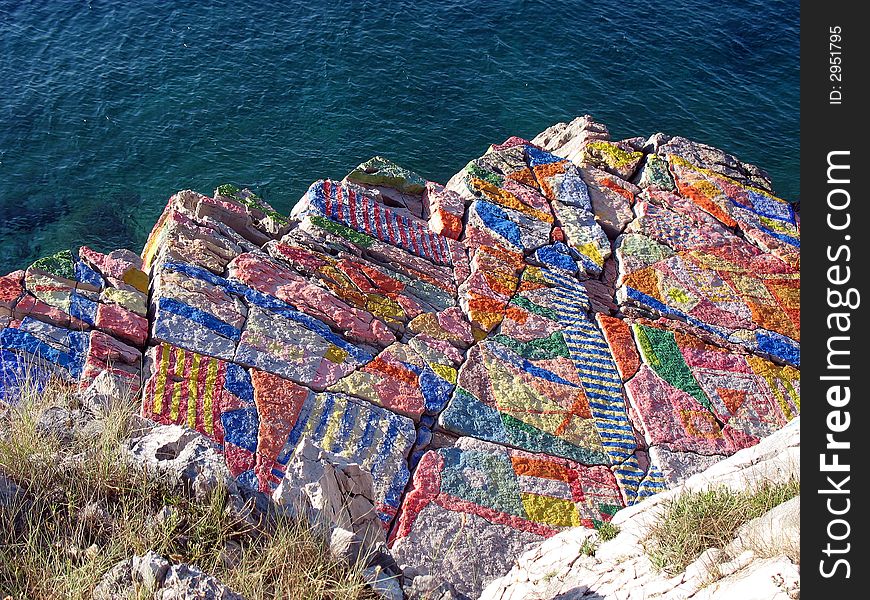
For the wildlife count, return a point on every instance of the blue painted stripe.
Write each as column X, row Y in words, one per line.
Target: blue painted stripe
column 351, row 413
column 320, row 430
column 301, row 421
column 201, row 317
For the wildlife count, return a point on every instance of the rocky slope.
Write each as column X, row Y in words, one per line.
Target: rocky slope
column 568, row 326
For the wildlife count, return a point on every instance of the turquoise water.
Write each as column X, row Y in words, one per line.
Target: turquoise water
column 107, row 109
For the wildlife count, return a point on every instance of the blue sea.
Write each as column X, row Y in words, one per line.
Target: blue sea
column 108, row 107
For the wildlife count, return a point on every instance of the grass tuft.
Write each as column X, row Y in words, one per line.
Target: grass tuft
column 695, row 521
column 83, row 507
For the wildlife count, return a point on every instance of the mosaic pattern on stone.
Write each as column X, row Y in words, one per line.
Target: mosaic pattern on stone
column 477, row 488
column 258, row 418
column 562, row 329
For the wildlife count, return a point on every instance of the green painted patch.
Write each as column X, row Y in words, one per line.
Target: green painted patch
column 535, row 309
column 351, row 235
column 61, row 264
column 382, row 172
column 660, row 351
column 251, row 200
column 531, row 438
column 481, row 173
column 657, row 173
column 550, row 347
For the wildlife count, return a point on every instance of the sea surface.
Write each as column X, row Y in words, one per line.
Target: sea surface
column 107, row 108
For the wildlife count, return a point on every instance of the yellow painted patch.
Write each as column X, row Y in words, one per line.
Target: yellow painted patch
column 335, row 354
column 476, row 333
column 210, row 381
column 534, row 274
column 176, row 391
column 192, row 385
column 383, row 307
column 551, row 511
column 160, row 386
column 331, row 429
column 590, row 250
column 782, row 381
column 611, row 154
column 444, row 372
column 679, row 296
column 137, row 278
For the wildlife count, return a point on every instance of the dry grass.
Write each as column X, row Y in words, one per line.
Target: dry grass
column 696, row 521
column 84, row 508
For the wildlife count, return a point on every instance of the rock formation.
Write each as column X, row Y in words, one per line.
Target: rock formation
column 566, row 327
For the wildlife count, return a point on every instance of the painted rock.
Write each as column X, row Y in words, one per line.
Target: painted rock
column 453, row 505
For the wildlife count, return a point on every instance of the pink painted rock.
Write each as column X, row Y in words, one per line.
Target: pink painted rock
column 569, row 140
column 449, row 325
column 278, row 403
column 120, row 322
column 261, row 274
column 176, row 237
column 673, row 418
column 11, row 289
column 112, row 366
column 29, row 306
column 612, row 199
column 446, row 210
column 121, row 265
column 450, row 499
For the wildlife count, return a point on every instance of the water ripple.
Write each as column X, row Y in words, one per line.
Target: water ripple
column 109, row 107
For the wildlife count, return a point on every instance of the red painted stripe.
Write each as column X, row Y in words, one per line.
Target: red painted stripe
column 378, row 230
column 454, row 504
column 217, row 401
column 437, row 250
column 339, row 204
column 414, row 245
column 327, row 197
column 403, row 233
column 185, row 388
column 351, row 203
column 168, row 384
column 200, row 394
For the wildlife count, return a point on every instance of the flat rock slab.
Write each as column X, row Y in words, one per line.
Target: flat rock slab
column 768, row 221
column 735, row 293
column 453, row 517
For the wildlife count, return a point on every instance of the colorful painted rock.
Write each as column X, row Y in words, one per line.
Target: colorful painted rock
column 258, row 419
column 480, row 504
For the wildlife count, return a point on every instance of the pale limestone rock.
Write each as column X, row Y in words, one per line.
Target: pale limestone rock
column 183, row 456
column 336, row 494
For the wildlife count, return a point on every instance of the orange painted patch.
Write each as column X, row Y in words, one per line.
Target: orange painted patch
column 392, row 370
column 700, row 424
column 612, row 185
column 546, row 469
column 618, row 335
column 645, row 281
column 579, row 409
column 732, row 399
